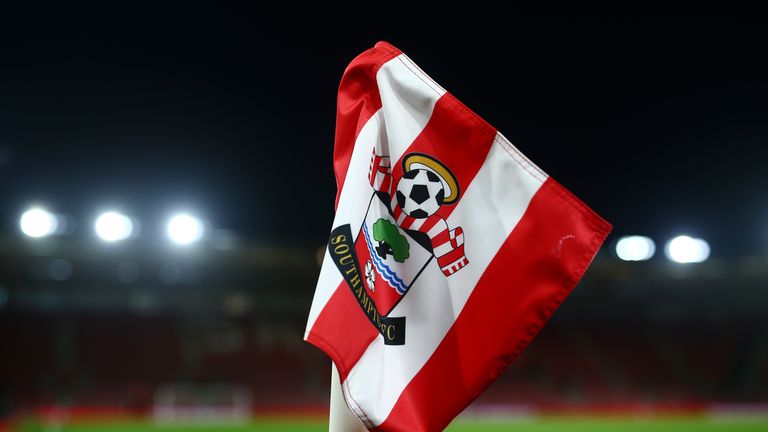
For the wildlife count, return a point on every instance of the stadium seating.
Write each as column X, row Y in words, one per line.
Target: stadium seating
column 108, row 360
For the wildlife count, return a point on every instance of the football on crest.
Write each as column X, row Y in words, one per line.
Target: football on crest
column 420, row 193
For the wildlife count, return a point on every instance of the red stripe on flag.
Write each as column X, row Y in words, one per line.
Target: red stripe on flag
column 458, row 138
column 342, row 330
column 530, row 276
column 358, row 100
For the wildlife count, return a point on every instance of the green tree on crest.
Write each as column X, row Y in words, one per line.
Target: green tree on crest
column 391, row 242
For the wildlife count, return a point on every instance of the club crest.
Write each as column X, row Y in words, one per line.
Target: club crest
column 404, row 231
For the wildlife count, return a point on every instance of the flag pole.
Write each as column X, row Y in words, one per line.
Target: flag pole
column 341, row 418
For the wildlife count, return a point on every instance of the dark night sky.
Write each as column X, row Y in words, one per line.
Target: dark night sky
column 659, row 124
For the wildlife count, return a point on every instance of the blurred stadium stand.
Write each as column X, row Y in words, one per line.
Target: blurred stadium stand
column 120, row 321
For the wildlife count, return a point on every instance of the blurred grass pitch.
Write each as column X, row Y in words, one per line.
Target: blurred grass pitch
column 546, row 424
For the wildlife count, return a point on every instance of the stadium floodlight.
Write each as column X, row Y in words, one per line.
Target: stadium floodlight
column 185, row 229
column 113, row 226
column 37, row 222
column 635, row 248
column 684, row 249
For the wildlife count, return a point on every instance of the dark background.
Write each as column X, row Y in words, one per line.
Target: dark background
column 659, row 124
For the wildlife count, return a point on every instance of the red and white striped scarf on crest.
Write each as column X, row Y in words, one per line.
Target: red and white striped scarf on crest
column 447, row 244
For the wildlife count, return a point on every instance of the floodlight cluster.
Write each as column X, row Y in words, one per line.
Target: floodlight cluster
column 112, row 226
column 186, row 229
column 682, row 249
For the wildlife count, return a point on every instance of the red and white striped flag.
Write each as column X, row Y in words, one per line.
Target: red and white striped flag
column 449, row 249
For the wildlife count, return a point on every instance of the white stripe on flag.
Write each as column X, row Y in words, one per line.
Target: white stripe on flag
column 502, row 190
column 408, row 100
column 407, row 104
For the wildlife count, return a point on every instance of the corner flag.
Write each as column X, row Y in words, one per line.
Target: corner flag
column 448, row 252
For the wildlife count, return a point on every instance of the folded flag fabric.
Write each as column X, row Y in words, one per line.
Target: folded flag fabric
column 448, row 252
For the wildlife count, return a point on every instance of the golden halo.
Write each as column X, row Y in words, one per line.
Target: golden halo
column 437, row 167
